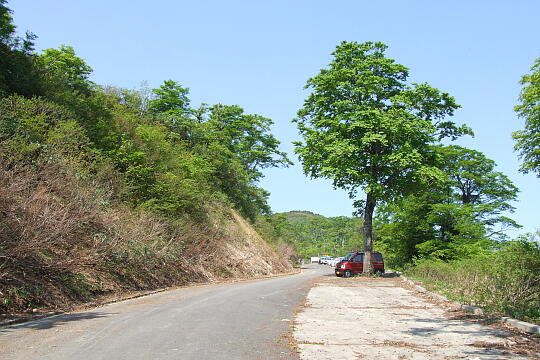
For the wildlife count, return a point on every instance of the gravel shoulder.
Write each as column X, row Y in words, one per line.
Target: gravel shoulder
column 384, row 318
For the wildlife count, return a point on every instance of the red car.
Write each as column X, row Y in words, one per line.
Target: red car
column 354, row 264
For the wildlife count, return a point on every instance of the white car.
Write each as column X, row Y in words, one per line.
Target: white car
column 326, row 259
column 334, row 261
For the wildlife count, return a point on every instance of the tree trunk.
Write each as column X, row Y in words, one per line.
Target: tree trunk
column 368, row 233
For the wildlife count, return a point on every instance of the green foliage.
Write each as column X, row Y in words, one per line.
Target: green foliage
column 364, row 127
column 458, row 217
column 170, row 99
column 505, row 281
column 528, row 140
column 66, row 69
column 18, row 74
column 171, row 107
column 30, row 126
column 313, row 234
column 7, row 28
column 473, row 181
column 247, row 136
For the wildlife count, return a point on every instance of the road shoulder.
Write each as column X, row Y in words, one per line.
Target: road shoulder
column 383, row 317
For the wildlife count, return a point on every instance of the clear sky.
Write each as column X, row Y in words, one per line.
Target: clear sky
column 259, row 55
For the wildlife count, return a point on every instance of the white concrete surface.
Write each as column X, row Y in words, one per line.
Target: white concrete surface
column 377, row 318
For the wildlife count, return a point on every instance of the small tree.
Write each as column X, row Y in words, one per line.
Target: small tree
column 364, row 127
column 528, row 140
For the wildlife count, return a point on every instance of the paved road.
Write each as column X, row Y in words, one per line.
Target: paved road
column 228, row 321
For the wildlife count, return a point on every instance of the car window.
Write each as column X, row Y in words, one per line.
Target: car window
column 359, row 258
column 378, row 257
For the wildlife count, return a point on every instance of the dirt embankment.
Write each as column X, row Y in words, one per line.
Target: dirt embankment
column 67, row 241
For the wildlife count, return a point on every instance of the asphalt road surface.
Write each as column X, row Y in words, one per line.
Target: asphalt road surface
column 245, row 320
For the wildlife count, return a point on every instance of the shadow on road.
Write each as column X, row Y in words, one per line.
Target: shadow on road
column 54, row 321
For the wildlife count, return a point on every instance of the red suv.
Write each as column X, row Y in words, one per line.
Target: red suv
column 354, row 264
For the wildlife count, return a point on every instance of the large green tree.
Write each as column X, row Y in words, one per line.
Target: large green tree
column 528, row 140
column 65, row 71
column 365, row 128
column 170, row 104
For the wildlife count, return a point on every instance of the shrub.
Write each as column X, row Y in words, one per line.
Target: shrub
column 506, row 281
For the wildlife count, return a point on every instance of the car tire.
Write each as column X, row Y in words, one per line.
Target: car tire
column 347, row 273
column 378, row 272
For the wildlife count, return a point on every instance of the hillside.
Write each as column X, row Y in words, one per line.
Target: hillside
column 105, row 191
column 297, row 216
column 64, row 244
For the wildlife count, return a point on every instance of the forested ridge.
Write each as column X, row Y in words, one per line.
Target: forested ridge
column 312, row 234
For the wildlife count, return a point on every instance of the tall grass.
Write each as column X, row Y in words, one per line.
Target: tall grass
column 505, row 282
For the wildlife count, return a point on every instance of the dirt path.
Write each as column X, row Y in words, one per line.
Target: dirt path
column 381, row 318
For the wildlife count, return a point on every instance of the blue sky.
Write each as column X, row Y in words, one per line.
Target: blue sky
column 259, row 55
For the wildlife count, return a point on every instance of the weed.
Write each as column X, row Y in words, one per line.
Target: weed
column 506, row 281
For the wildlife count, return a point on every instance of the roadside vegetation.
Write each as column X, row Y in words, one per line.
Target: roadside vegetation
column 504, row 282
column 442, row 210
column 106, row 190
column 500, row 276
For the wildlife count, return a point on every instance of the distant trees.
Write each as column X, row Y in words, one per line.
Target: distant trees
column 456, row 218
column 365, row 128
column 311, row 234
column 528, row 139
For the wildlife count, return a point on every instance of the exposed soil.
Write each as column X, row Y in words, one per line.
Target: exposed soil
column 64, row 248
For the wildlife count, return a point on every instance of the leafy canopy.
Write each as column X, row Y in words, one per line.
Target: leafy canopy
column 64, row 65
column 364, row 126
column 456, row 218
column 528, row 140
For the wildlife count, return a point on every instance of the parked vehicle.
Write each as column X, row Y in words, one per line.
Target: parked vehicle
column 325, row 259
column 354, row 264
column 335, row 261
column 315, row 259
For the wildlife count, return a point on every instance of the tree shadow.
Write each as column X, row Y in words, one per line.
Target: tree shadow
column 445, row 327
column 54, row 321
column 391, row 275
